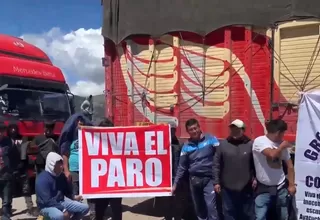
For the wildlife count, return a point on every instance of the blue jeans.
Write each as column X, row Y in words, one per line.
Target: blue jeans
column 265, row 201
column 237, row 205
column 204, row 200
column 75, row 208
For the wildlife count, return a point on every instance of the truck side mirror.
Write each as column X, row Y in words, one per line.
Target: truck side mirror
column 71, row 102
column 3, row 87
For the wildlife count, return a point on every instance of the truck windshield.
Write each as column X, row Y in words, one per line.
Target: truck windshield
column 34, row 104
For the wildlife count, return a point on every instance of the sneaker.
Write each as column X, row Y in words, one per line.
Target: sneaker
column 40, row 217
column 92, row 216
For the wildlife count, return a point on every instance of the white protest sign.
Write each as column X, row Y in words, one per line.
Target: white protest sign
column 307, row 158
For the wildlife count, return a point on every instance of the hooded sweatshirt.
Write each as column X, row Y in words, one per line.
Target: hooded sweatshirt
column 52, row 188
column 69, row 132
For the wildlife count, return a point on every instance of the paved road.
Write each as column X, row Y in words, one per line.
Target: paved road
column 137, row 208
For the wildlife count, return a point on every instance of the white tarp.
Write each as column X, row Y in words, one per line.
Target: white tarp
column 307, row 158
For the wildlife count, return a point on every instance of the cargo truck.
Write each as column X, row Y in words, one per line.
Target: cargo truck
column 32, row 91
column 177, row 60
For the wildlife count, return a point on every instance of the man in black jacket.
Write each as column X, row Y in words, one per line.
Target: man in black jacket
column 174, row 206
column 7, row 160
column 234, row 173
column 101, row 205
column 46, row 144
column 21, row 171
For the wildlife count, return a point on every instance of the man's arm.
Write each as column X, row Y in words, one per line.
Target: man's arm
column 252, row 167
column 216, row 166
column 43, row 193
column 290, row 169
column 183, row 165
column 66, row 162
column 65, row 151
column 67, row 186
column 268, row 151
column 175, row 150
column 290, row 172
column 85, row 104
column 214, row 141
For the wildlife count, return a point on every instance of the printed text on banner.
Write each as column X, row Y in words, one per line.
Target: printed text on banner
column 125, row 161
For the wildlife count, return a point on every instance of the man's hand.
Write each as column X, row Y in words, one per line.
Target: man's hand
column 285, row 145
column 254, row 184
column 292, row 190
column 217, row 188
column 78, row 198
column 174, row 188
column 68, row 175
column 66, row 215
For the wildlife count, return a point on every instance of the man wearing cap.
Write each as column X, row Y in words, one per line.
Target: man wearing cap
column 234, row 175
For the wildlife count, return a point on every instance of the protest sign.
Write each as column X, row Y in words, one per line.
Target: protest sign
column 125, row 161
column 307, row 160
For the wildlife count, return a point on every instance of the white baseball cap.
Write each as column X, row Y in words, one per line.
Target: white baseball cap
column 172, row 124
column 238, row 123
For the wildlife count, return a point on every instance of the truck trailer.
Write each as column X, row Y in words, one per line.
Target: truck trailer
column 176, row 60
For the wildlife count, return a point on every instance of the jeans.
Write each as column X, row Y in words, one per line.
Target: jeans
column 75, row 208
column 6, row 196
column 204, row 200
column 75, row 182
column 237, row 205
column 265, row 201
column 26, row 191
column 101, row 206
column 75, row 187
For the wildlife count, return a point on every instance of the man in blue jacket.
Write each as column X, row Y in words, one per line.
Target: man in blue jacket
column 54, row 194
column 197, row 159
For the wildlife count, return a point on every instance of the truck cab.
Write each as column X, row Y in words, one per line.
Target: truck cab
column 32, row 89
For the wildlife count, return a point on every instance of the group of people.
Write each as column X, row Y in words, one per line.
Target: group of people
column 55, row 161
column 251, row 177
column 57, row 187
column 15, row 156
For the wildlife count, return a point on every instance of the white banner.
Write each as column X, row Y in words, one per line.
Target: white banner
column 307, row 158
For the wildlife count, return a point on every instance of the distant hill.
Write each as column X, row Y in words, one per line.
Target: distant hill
column 98, row 106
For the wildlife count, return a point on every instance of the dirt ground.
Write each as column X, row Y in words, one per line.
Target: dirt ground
column 133, row 209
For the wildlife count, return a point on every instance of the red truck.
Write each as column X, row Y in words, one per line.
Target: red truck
column 32, row 89
column 195, row 63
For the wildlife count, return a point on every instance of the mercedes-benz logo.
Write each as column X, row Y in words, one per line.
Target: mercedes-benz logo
column 18, row 44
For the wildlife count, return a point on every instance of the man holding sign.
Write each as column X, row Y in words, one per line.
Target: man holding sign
column 120, row 162
column 102, row 204
column 197, row 159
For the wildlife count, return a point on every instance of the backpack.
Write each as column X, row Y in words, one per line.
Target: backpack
column 44, row 148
